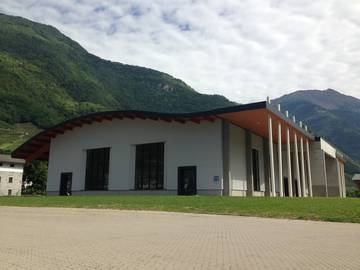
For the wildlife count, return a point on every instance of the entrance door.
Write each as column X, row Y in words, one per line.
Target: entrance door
column 286, row 187
column 187, row 180
column 65, row 184
column 296, row 188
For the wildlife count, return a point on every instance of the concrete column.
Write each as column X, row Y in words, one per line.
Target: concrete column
column 326, row 181
column 343, row 179
column 288, row 152
column 271, row 153
column 339, row 177
column 303, row 176
column 266, row 167
column 281, row 188
column 249, row 167
column 309, row 167
column 227, row 185
column 297, row 168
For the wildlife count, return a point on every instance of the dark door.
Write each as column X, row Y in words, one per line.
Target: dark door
column 296, row 188
column 187, row 180
column 65, row 184
column 286, row 187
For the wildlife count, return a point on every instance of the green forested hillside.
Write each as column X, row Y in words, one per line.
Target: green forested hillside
column 45, row 78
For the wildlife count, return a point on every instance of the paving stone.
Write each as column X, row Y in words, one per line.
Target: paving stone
column 59, row 238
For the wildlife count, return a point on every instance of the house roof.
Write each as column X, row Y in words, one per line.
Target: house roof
column 356, row 177
column 8, row 158
column 253, row 116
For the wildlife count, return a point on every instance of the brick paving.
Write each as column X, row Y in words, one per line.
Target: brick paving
column 59, row 238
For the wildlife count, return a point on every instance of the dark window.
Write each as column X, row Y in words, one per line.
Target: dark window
column 149, row 167
column 10, row 179
column 1, row 164
column 97, row 169
column 9, row 192
column 12, row 165
column 256, row 171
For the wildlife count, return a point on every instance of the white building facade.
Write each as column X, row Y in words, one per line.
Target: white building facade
column 220, row 152
column 11, row 174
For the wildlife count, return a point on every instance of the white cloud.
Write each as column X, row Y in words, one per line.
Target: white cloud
column 244, row 50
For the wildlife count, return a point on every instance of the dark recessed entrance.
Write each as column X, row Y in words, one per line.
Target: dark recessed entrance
column 187, row 180
column 65, row 184
column 286, row 187
column 296, row 188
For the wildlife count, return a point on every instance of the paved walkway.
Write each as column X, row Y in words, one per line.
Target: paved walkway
column 55, row 238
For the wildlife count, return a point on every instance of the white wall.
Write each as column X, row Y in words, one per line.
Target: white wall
column 327, row 148
column 16, row 172
column 238, row 160
column 187, row 144
column 258, row 144
column 318, row 169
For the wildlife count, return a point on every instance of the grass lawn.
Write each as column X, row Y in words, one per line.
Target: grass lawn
column 326, row 209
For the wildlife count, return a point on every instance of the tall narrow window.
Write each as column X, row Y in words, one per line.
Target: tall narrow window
column 256, row 171
column 149, row 166
column 97, row 169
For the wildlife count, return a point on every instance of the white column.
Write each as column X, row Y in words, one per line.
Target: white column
column 288, row 152
column 343, row 179
column 296, row 155
column 303, row 176
column 339, row 177
column 281, row 188
column 271, row 153
column 309, row 167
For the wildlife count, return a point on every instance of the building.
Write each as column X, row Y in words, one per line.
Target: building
column 11, row 173
column 356, row 179
column 218, row 152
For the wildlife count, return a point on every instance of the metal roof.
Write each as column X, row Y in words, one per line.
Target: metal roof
column 8, row 158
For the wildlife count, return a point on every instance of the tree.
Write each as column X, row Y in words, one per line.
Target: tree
column 35, row 176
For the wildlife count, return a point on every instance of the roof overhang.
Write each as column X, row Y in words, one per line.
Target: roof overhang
column 253, row 117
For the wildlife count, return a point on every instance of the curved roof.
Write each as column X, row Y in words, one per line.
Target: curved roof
column 251, row 116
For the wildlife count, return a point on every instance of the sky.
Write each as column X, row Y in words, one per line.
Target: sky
column 242, row 49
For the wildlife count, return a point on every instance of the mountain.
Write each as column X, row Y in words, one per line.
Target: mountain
column 329, row 114
column 45, row 78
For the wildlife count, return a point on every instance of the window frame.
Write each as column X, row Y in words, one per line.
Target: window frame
column 149, row 166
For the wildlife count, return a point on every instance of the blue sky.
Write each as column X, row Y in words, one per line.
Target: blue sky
column 243, row 49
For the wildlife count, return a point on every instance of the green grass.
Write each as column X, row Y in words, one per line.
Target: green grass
column 325, row 209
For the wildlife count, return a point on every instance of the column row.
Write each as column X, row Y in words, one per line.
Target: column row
column 298, row 180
